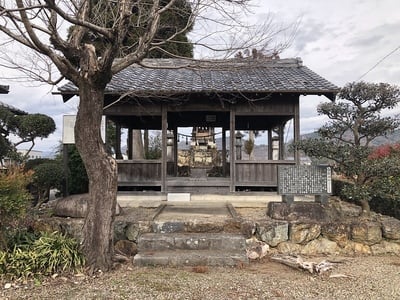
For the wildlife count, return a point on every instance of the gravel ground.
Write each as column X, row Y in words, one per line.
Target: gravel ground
column 353, row 278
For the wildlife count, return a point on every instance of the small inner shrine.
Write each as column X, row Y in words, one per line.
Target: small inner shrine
column 203, row 157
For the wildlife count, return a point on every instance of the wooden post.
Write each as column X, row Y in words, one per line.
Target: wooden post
column 130, row 154
column 164, row 125
column 66, row 170
column 175, row 149
column 232, row 125
column 296, row 129
column 224, row 170
column 118, row 154
column 281, row 141
column 270, row 144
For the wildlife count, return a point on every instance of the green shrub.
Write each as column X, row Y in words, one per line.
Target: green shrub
column 48, row 175
column 78, row 182
column 45, row 254
column 21, row 238
column 20, row 263
column 3, row 259
column 57, row 252
column 387, row 203
column 338, row 186
column 32, row 163
column 14, row 197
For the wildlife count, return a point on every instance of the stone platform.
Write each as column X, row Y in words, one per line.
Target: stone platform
column 307, row 228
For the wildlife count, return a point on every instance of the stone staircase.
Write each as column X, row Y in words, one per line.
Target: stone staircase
column 193, row 235
column 178, row 248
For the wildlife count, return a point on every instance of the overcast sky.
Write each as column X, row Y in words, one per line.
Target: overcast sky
column 341, row 40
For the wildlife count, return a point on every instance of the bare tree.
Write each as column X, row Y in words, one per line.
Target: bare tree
column 41, row 26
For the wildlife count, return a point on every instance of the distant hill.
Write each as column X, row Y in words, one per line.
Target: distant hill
column 389, row 139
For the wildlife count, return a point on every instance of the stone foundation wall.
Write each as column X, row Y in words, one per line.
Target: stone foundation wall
column 306, row 228
column 312, row 229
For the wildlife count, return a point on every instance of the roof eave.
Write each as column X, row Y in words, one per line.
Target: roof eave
column 330, row 94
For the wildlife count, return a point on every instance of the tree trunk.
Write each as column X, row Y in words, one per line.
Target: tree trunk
column 366, row 210
column 102, row 174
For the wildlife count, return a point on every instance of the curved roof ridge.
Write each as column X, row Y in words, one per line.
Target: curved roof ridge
column 163, row 77
column 218, row 63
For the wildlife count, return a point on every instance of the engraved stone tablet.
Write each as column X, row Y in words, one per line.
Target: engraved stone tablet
column 304, row 180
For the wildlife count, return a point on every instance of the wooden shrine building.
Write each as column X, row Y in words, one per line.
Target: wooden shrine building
column 234, row 96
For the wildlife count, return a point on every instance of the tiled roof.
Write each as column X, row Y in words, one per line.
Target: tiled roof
column 172, row 76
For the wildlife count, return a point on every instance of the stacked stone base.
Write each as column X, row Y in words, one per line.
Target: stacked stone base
column 305, row 228
column 311, row 229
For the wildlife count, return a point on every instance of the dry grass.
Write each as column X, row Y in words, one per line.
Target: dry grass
column 200, row 269
column 358, row 278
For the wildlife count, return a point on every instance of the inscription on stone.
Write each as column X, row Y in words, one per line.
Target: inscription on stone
column 302, row 180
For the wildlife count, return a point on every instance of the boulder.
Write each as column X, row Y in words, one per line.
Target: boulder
column 354, row 248
column 390, row 228
column 248, row 228
column 321, row 246
column 367, row 232
column 385, row 247
column 134, row 230
column 44, row 225
column 345, row 209
column 75, row 206
column 71, row 227
column 120, row 230
column 298, row 211
column 256, row 249
column 289, row 248
column 302, row 233
column 273, row 232
column 126, row 248
column 336, row 232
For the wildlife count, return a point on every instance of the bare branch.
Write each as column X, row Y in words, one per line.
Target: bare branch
column 81, row 19
column 144, row 41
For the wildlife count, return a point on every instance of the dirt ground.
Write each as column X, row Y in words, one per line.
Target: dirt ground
column 352, row 278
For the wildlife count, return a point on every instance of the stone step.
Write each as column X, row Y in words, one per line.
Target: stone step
column 229, row 242
column 190, row 258
column 192, row 226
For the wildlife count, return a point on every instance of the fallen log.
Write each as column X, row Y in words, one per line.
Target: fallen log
column 297, row 262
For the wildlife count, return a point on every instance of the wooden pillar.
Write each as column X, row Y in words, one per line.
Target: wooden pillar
column 296, row 131
column 269, row 144
column 281, row 141
column 130, row 153
column 164, row 127
column 175, row 151
column 146, row 142
column 224, row 169
column 118, row 154
column 66, row 170
column 232, row 159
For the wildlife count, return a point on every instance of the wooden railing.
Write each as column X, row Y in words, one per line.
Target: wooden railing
column 247, row 173
column 139, row 172
column 258, row 173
